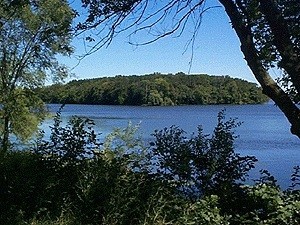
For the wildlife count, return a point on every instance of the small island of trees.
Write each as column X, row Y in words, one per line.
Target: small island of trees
column 155, row 89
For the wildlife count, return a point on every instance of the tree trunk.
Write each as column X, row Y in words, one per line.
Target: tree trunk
column 5, row 136
column 269, row 86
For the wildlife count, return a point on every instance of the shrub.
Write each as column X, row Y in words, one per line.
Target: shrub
column 267, row 204
column 200, row 164
column 22, row 182
column 73, row 179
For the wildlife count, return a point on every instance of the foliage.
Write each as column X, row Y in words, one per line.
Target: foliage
column 200, row 165
column 73, row 179
column 21, row 184
column 268, row 36
column 270, row 50
column 204, row 211
column 155, row 89
column 30, row 109
column 32, row 34
column 70, row 144
column 267, row 204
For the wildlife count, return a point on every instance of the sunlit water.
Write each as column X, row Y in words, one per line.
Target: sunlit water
column 264, row 132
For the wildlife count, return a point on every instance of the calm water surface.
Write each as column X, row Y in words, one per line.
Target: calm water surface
column 264, row 132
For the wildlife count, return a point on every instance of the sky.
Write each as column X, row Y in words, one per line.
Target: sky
column 216, row 52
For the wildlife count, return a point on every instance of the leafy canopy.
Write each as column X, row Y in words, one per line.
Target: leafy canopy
column 32, row 33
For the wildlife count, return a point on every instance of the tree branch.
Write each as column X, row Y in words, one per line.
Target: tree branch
column 290, row 58
column 179, row 12
column 269, row 86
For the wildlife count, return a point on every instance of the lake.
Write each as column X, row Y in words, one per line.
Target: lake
column 264, row 133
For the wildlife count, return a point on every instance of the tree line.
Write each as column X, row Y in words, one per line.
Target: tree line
column 154, row 90
column 268, row 32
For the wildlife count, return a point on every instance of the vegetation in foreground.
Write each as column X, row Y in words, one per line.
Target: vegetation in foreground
column 155, row 89
column 74, row 179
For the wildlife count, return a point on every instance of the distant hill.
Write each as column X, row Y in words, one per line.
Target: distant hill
column 155, row 89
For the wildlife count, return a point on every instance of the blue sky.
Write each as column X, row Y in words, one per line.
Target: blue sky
column 216, row 52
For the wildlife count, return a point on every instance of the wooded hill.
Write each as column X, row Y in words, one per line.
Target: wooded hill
column 155, row 89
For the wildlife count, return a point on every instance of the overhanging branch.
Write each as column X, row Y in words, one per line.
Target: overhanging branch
column 269, row 86
column 282, row 40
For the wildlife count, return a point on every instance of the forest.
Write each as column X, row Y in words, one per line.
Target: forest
column 154, row 90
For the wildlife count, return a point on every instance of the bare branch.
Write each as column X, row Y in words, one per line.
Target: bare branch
column 147, row 16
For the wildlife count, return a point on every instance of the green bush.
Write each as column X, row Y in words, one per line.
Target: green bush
column 22, row 184
column 200, row 164
column 204, row 211
column 268, row 204
column 72, row 179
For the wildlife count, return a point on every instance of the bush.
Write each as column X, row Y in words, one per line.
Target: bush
column 201, row 164
column 267, row 204
column 73, row 179
column 19, row 181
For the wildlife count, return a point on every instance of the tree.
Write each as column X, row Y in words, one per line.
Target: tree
column 271, row 32
column 32, row 33
column 268, row 31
